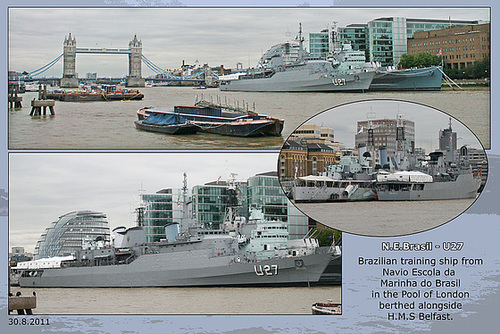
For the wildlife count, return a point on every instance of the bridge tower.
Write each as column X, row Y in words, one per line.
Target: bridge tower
column 69, row 78
column 135, row 78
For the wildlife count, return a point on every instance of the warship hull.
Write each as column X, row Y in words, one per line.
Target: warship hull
column 313, row 194
column 301, row 80
column 465, row 186
column 428, row 78
column 173, row 270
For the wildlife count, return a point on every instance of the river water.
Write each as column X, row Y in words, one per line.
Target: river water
column 286, row 300
column 110, row 125
column 385, row 218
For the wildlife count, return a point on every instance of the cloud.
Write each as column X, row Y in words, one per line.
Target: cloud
column 46, row 186
column 217, row 36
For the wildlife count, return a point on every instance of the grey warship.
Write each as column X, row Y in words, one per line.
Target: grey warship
column 444, row 177
column 189, row 256
column 285, row 67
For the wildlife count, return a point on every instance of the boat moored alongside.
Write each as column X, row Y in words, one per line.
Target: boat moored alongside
column 222, row 120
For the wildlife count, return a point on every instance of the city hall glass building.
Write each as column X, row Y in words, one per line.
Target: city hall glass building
column 70, row 232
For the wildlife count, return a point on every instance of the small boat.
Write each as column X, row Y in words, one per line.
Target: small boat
column 349, row 180
column 327, row 308
column 96, row 93
column 222, row 120
column 169, row 124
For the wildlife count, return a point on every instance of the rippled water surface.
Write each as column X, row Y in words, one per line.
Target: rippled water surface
column 385, row 218
column 110, row 125
column 289, row 300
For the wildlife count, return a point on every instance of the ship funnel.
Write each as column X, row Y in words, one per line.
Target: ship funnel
column 133, row 236
column 383, row 156
column 119, row 235
column 171, row 231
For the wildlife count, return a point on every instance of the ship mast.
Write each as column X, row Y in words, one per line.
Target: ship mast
column 185, row 212
column 301, row 50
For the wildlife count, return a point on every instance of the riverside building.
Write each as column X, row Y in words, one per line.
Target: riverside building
column 264, row 191
column 384, row 39
column 460, row 46
column 71, row 232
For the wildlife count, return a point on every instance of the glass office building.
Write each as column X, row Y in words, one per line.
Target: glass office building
column 157, row 210
column 211, row 200
column 387, row 37
column 319, row 44
column 265, row 192
column 356, row 35
column 71, row 232
column 208, row 204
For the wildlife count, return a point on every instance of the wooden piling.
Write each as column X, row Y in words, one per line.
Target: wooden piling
column 39, row 107
column 14, row 100
column 21, row 304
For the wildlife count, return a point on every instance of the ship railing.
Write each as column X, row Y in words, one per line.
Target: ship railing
column 324, row 250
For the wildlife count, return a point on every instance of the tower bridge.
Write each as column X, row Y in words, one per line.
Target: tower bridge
column 135, row 59
column 70, row 50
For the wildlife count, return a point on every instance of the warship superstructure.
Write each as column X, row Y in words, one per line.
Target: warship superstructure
column 189, row 256
column 286, row 67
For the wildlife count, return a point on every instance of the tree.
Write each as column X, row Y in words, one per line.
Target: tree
column 480, row 69
column 327, row 236
column 421, row 59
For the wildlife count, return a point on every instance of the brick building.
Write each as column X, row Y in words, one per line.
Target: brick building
column 460, row 46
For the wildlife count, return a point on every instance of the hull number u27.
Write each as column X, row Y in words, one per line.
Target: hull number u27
column 339, row 81
column 268, row 269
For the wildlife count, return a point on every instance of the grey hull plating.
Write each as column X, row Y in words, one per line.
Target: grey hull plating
column 303, row 78
column 429, row 78
column 464, row 187
column 173, row 270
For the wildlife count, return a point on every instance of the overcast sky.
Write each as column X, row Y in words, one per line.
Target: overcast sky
column 46, row 186
column 428, row 122
column 217, row 36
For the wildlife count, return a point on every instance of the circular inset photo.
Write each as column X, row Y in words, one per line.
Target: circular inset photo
column 382, row 168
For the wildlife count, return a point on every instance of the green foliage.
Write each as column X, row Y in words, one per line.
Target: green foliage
column 421, row 59
column 326, row 236
column 479, row 70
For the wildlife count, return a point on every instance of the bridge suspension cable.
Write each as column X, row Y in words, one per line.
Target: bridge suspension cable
column 43, row 68
column 168, row 75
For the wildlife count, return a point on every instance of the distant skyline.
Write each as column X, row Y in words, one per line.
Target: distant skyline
column 217, row 36
column 46, row 186
column 428, row 121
